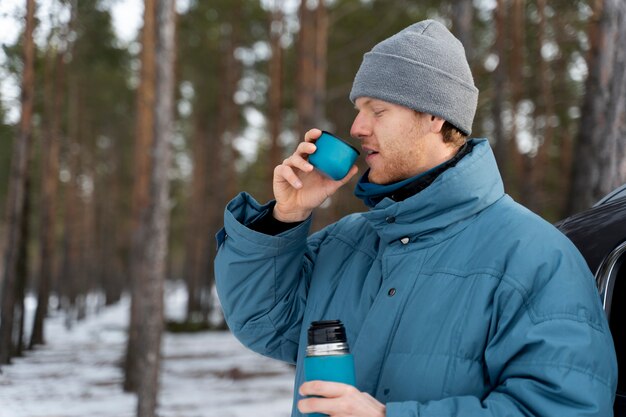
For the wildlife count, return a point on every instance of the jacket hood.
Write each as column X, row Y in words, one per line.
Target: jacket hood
column 445, row 207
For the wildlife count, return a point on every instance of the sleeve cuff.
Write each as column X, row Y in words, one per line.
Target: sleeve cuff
column 267, row 224
column 402, row 409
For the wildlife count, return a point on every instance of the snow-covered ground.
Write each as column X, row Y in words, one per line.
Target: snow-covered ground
column 77, row 373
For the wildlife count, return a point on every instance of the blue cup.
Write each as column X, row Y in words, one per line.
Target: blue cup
column 333, row 156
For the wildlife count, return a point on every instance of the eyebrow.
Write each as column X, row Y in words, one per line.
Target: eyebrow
column 365, row 103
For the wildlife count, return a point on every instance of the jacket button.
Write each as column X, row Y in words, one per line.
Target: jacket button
column 404, row 240
column 390, row 219
column 391, row 292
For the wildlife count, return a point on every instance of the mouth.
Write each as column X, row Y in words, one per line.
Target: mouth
column 369, row 153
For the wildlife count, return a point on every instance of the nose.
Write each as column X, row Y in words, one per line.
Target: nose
column 361, row 128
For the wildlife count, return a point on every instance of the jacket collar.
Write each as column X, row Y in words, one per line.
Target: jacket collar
column 372, row 194
column 446, row 206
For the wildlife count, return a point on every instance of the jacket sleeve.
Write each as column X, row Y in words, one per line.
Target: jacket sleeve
column 550, row 352
column 262, row 281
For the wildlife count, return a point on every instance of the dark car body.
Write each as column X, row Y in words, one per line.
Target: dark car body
column 600, row 235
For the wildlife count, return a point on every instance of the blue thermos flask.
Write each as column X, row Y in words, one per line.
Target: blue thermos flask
column 328, row 356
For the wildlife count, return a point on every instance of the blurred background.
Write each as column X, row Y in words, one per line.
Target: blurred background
column 127, row 125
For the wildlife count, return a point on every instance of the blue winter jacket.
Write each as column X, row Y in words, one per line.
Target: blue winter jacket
column 457, row 301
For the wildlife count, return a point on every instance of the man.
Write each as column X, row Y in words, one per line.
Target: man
column 456, row 300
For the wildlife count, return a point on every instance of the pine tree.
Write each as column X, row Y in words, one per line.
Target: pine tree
column 17, row 191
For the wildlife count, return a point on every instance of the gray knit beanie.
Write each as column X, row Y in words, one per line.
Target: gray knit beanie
column 423, row 67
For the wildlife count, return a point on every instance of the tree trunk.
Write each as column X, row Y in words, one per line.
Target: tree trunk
column 544, row 107
column 49, row 187
column 22, row 269
column 320, row 22
column 600, row 151
column 196, row 251
column 155, row 223
column 143, row 142
column 228, row 123
column 108, row 223
column 516, row 77
column 311, row 81
column 306, row 79
column 321, row 59
column 70, row 272
column 223, row 156
column 16, row 195
column 499, row 81
column 564, row 138
column 115, row 279
column 86, row 230
column 275, row 93
column 462, row 19
column 215, row 206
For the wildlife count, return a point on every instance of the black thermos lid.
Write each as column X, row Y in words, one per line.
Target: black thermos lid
column 326, row 331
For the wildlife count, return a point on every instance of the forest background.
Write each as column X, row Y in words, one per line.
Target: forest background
column 115, row 173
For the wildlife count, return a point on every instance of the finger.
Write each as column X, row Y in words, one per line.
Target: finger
column 328, row 406
column 312, row 135
column 325, row 389
column 286, row 173
column 305, row 148
column 299, row 162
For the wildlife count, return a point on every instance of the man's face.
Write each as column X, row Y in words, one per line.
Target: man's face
column 398, row 142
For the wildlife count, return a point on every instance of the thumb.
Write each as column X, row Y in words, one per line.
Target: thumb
column 333, row 186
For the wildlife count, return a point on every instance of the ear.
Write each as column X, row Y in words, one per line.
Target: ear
column 435, row 123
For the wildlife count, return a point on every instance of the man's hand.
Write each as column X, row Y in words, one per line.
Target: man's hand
column 340, row 400
column 298, row 188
